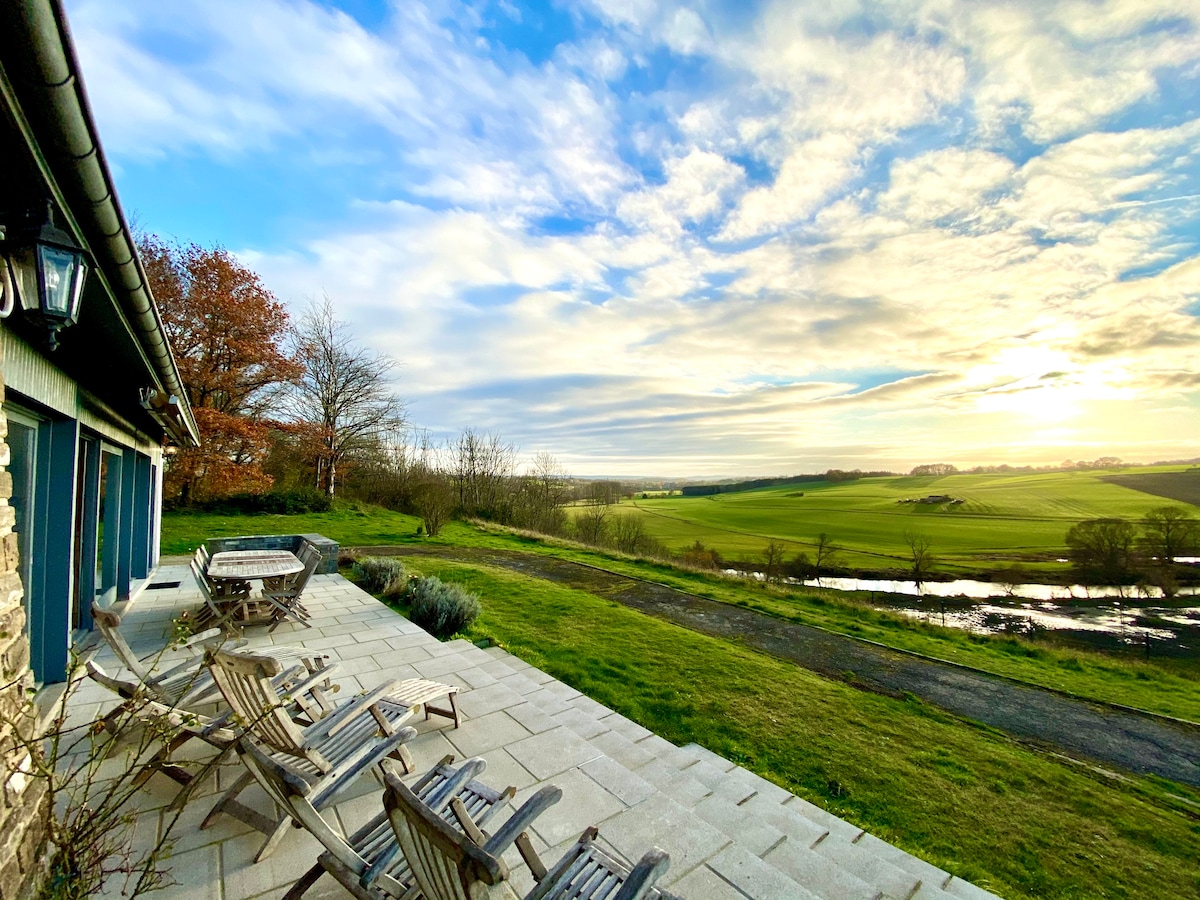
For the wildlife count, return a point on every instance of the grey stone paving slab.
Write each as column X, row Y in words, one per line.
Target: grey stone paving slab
column 628, row 753
column 927, row 872
column 502, row 771
column 764, row 791
column 551, row 752
column 548, row 703
column 483, row 733
column 966, row 890
column 243, row 877
column 498, row 668
column 579, row 722
column 533, row 718
column 488, row 699
column 475, row 677
column 807, row 867
column 668, row 752
column 618, row 780
column 419, row 639
column 798, row 829
column 703, row 754
column 520, row 684
column 753, row 834
column 756, row 878
column 661, row 822
column 437, row 666
column 839, row 828
column 702, row 883
column 560, row 691
column 869, row 867
column 626, row 727
column 584, row 803
column 362, row 648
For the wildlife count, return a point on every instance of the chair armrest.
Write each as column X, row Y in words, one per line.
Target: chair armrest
column 346, row 713
column 331, row 785
column 507, row 834
column 641, row 880
column 201, row 638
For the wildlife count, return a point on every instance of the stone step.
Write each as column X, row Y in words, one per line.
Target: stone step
column 762, row 817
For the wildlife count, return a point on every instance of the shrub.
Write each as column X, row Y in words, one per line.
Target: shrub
column 379, row 574
column 279, row 503
column 441, row 609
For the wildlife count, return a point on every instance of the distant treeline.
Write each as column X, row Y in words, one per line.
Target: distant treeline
column 731, row 487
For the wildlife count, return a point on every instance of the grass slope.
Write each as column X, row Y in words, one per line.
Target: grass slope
column 963, row 797
column 1002, row 516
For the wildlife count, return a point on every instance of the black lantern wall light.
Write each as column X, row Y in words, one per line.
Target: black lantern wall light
column 42, row 270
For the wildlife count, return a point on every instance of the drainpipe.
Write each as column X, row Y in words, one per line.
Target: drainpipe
column 67, row 137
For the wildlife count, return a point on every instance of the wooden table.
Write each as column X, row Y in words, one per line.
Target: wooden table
column 233, row 566
column 246, row 565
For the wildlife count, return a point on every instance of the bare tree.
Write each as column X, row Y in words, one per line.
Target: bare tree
column 827, row 553
column 344, row 392
column 920, row 556
column 592, row 524
column 773, row 558
column 629, row 533
column 1168, row 532
column 540, row 495
column 481, row 466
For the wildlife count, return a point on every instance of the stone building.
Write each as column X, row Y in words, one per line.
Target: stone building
column 91, row 395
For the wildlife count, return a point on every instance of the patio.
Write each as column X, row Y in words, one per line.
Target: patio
column 731, row 835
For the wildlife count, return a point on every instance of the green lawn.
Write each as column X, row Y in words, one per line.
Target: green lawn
column 1002, row 516
column 347, row 523
column 964, row 797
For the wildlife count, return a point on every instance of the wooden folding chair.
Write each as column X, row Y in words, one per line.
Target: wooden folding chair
column 330, row 754
column 188, row 683
column 448, row 864
column 368, row 863
column 284, row 594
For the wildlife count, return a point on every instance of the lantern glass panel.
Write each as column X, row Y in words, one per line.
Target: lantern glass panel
column 59, row 270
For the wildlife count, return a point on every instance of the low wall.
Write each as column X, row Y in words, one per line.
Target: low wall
column 292, row 542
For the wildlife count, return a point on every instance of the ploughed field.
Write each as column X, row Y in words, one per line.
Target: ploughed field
column 1002, row 519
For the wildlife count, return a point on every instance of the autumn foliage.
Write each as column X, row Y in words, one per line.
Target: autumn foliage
column 228, row 335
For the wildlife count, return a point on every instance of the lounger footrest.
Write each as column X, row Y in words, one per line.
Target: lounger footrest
column 419, row 692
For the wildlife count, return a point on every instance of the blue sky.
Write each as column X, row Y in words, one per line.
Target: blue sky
column 720, row 238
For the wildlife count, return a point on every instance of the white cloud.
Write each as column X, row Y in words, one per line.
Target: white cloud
column 846, row 231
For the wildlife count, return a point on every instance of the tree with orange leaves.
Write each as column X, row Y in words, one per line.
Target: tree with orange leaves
column 227, row 331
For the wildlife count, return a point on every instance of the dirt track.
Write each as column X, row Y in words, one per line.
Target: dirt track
column 1136, row 742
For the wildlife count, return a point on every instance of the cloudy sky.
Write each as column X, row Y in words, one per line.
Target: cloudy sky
column 721, row 238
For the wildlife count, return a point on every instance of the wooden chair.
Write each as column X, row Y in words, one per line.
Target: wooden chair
column 225, row 588
column 188, row 683
column 329, row 754
column 284, row 594
column 448, row 864
column 176, row 726
column 368, row 863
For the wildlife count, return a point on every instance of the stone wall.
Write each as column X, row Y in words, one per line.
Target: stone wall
column 24, row 809
column 290, row 542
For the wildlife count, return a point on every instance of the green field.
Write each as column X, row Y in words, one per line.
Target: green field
column 1004, row 519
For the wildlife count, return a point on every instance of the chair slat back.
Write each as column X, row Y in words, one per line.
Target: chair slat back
column 245, row 682
column 109, row 624
column 311, row 557
column 445, row 863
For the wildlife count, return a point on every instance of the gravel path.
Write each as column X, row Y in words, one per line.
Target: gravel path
column 1136, row 742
